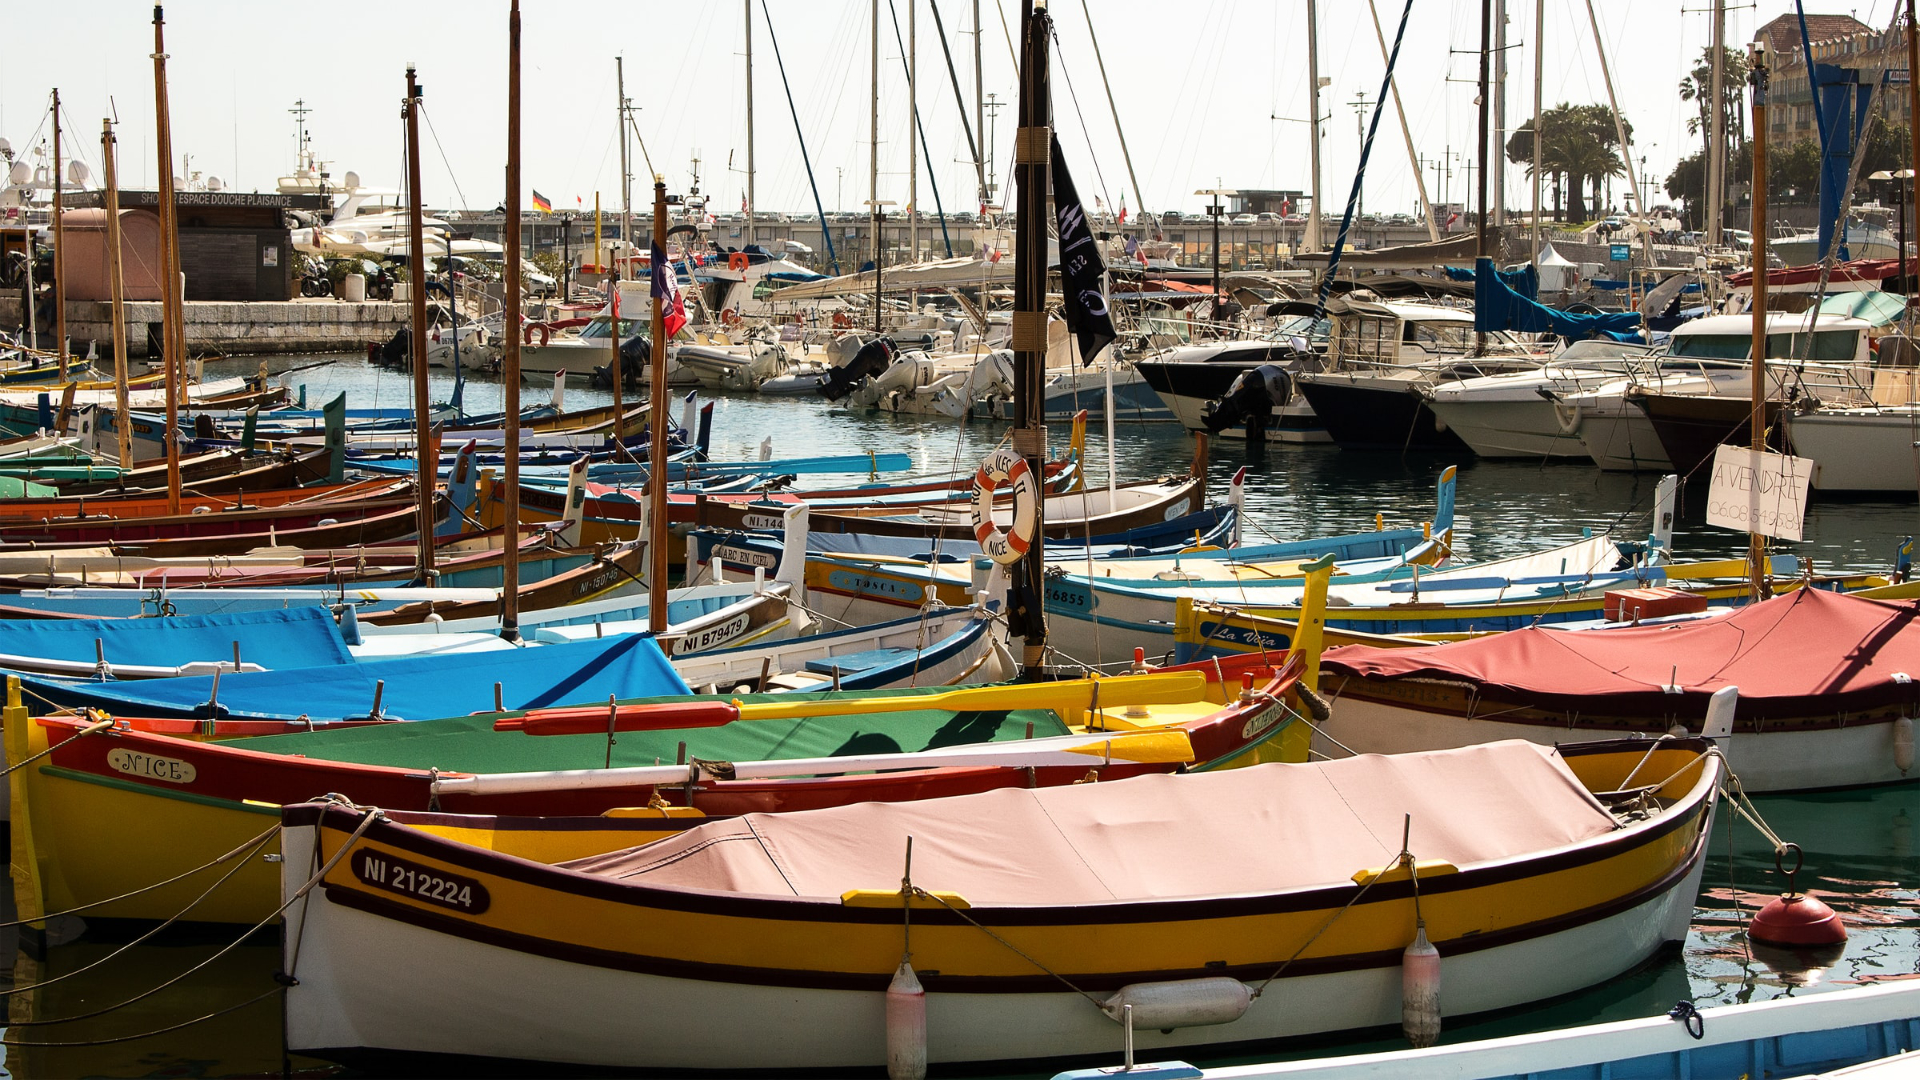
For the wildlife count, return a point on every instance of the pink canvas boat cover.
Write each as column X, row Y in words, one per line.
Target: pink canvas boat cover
column 1263, row 829
column 1811, row 652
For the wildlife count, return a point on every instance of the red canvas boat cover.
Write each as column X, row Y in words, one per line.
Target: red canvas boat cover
column 1264, row 829
column 1811, row 652
column 1857, row 270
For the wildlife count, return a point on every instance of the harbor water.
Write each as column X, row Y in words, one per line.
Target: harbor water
column 1861, row 849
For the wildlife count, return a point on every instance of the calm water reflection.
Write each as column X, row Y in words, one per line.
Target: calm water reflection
column 1860, row 846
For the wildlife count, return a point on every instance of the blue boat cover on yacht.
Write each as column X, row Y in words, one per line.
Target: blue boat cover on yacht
column 416, row 687
column 296, row 637
column 1496, row 306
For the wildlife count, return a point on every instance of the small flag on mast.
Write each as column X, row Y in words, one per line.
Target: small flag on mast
column 673, row 311
column 541, row 202
column 1082, row 273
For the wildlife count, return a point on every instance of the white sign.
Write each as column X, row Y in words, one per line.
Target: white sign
column 1758, row 492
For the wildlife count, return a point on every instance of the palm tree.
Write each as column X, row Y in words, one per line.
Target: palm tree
column 1578, row 144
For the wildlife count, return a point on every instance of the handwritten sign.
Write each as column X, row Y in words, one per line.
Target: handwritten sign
column 1758, row 492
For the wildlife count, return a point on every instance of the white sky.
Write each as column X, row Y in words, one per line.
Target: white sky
column 1197, row 84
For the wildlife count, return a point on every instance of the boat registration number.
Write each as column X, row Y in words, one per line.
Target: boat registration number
column 1260, row 721
column 416, row 882
column 729, row 553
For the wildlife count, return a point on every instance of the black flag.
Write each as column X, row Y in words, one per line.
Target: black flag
column 1081, row 269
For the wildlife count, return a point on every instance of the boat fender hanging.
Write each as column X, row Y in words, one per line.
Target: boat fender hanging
column 1420, row 990
column 1903, row 744
column 906, row 1025
column 1794, row 918
column 1180, row 1003
column 1005, row 467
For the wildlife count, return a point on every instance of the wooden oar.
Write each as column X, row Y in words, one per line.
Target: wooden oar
column 1162, row 688
column 1167, row 746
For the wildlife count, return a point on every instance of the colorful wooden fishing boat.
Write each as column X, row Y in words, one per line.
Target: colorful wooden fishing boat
column 180, row 803
column 1826, row 695
column 1035, row 915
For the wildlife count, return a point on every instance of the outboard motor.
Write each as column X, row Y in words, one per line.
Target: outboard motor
column 399, row 348
column 873, row 358
column 636, row 361
column 1251, row 400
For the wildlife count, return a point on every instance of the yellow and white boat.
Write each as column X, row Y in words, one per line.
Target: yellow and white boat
column 1226, row 908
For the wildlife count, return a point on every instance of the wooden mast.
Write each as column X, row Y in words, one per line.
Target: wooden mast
column 1032, row 153
column 173, row 335
column 115, row 267
column 1757, row 421
column 510, row 579
column 657, row 422
column 424, row 449
column 59, row 246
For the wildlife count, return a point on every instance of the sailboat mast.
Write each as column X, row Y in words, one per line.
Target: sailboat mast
column 122, row 417
column 423, row 446
column 172, row 342
column 1481, row 248
column 1756, row 421
column 510, row 362
column 913, row 134
column 1313, row 120
column 626, row 168
column 1032, row 155
column 873, row 167
column 1717, row 124
column 1539, row 79
column 613, row 279
column 752, row 238
column 1499, row 129
column 657, row 424
column 59, row 245
column 1913, row 129
column 980, row 122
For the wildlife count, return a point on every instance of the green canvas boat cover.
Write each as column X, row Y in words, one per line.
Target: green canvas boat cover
column 469, row 743
column 12, row 487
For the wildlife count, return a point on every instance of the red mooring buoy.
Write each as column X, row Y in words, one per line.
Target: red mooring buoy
column 1795, row 918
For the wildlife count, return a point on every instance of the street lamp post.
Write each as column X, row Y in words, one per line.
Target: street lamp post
column 1214, row 210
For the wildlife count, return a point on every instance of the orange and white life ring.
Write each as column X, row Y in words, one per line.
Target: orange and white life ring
column 729, row 317
column 1005, row 467
column 841, row 322
column 737, row 261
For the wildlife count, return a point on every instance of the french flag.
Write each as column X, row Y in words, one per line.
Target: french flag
column 673, row 310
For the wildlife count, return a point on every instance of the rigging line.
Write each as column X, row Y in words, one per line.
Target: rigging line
column 932, row 181
column 1360, row 173
column 960, row 100
column 1085, row 132
column 825, row 233
column 443, row 156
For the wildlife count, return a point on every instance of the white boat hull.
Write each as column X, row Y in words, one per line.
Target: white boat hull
column 359, row 977
column 1509, row 429
column 1776, row 760
column 1859, row 451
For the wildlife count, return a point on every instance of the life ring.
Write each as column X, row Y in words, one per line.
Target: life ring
column 841, row 322
column 729, row 317
column 737, row 261
column 1568, row 417
column 1005, row 467
column 546, row 332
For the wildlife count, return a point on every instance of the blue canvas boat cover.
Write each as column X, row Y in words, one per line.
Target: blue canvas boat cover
column 1525, row 281
column 1498, row 307
column 416, row 687
column 294, row 638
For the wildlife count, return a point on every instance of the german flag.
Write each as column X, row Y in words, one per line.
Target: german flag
column 542, row 203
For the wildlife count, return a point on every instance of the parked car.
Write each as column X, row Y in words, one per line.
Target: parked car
column 1266, row 219
column 1241, row 219
column 1170, row 216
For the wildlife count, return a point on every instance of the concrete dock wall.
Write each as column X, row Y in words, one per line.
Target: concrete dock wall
column 261, row 326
